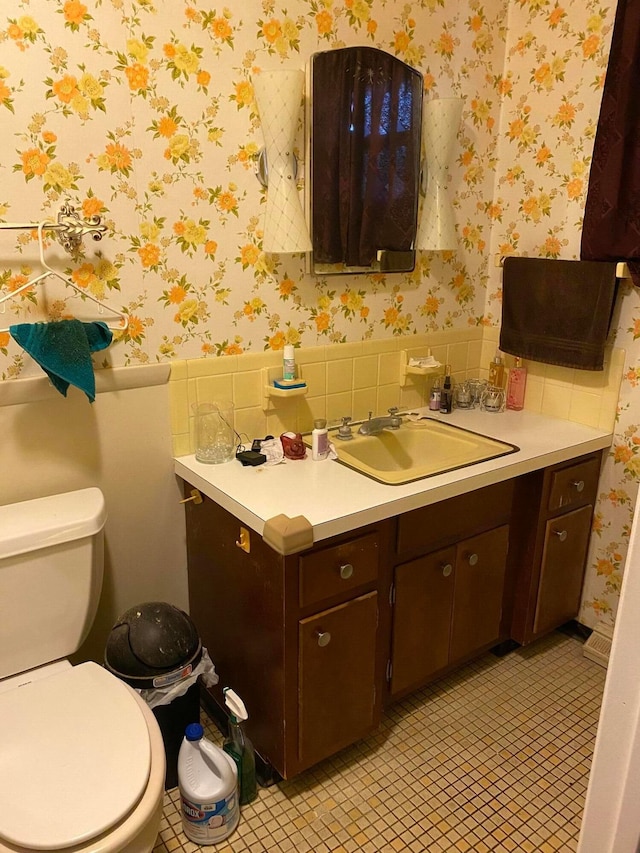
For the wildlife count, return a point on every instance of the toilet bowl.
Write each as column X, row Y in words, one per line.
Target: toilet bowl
column 82, row 760
column 82, row 764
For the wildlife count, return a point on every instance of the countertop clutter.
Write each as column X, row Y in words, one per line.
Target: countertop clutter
column 335, row 499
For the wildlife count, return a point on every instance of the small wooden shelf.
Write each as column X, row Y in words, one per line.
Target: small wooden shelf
column 406, row 369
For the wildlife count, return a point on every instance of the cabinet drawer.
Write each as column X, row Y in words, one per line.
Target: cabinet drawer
column 574, row 486
column 339, row 569
column 445, row 522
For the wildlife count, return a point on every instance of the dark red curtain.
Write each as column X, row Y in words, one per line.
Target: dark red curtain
column 611, row 228
column 367, row 108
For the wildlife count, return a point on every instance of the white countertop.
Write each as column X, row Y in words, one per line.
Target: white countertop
column 335, row 499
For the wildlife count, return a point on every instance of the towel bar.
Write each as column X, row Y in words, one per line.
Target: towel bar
column 70, row 229
column 622, row 270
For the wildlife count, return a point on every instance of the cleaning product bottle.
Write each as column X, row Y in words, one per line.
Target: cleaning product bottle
column 516, row 386
column 496, row 371
column 434, row 396
column 208, row 783
column 240, row 748
column 446, row 395
column 319, row 440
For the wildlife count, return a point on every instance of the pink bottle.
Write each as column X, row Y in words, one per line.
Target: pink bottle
column 516, row 386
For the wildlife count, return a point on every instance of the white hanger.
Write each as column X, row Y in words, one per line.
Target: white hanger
column 124, row 319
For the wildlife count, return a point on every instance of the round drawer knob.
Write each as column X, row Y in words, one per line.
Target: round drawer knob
column 473, row 559
column 561, row 534
column 324, row 638
column 447, row 569
column 578, row 485
column 346, row 571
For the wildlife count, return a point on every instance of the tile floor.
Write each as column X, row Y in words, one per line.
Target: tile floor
column 494, row 757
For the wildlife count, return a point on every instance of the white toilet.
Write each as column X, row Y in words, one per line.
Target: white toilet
column 82, row 762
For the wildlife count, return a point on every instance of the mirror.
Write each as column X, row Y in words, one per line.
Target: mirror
column 364, row 170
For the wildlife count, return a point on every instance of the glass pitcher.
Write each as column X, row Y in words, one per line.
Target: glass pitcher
column 215, row 439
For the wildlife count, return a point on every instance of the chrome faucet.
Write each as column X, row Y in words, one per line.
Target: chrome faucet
column 374, row 426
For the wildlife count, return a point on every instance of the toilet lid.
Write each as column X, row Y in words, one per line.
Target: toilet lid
column 74, row 758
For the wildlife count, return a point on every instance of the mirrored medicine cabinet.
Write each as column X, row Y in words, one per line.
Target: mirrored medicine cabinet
column 365, row 112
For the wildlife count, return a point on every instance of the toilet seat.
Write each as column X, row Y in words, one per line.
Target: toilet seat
column 74, row 758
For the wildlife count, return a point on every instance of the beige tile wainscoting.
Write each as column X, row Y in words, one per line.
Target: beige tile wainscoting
column 352, row 379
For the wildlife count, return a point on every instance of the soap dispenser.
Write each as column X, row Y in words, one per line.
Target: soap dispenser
column 496, row 371
column 516, row 386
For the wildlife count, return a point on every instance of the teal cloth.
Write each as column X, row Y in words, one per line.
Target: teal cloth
column 63, row 350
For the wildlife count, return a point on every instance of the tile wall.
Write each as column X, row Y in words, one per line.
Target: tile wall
column 352, row 379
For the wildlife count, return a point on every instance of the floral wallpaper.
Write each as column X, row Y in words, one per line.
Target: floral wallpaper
column 556, row 57
column 143, row 112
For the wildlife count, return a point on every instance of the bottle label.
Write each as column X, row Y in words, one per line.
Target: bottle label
column 210, row 822
column 289, row 368
column 319, row 445
column 446, row 399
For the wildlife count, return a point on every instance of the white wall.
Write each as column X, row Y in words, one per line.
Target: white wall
column 611, row 821
column 122, row 444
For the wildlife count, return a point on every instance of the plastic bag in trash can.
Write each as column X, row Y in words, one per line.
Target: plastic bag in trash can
column 177, row 684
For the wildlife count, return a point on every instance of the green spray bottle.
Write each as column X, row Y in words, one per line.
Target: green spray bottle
column 240, row 748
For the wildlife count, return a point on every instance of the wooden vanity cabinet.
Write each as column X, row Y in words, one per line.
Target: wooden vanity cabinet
column 297, row 637
column 553, row 512
column 316, row 643
column 449, row 603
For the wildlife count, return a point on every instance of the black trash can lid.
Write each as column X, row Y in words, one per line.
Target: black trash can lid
column 150, row 640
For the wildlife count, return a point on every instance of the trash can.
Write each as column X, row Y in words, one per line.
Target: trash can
column 155, row 648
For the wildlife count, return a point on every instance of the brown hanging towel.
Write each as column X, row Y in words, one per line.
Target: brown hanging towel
column 557, row 312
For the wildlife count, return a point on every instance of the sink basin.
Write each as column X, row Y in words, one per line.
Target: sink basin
column 418, row 449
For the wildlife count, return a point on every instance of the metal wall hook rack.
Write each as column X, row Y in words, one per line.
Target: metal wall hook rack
column 69, row 230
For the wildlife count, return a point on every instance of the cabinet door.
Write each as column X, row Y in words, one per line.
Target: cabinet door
column 479, row 589
column 423, row 591
column 337, row 656
column 563, row 560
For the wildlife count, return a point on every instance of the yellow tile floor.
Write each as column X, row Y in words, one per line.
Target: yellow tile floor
column 494, row 757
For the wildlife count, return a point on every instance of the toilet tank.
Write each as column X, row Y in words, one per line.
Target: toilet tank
column 51, row 565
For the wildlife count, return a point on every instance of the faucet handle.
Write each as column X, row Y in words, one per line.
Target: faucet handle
column 396, row 419
column 344, row 430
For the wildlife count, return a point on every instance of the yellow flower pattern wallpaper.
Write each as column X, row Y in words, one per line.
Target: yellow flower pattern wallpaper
column 142, row 112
